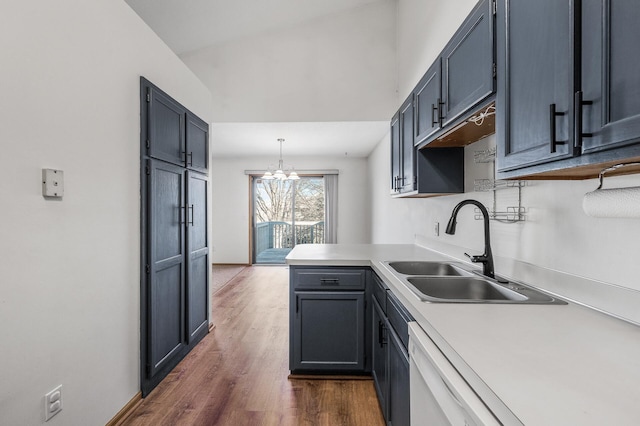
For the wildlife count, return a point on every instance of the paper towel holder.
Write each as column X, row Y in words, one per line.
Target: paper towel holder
column 612, row 168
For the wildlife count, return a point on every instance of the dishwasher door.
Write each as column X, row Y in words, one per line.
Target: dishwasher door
column 439, row 395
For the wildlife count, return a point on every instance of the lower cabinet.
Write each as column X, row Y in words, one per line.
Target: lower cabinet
column 399, row 409
column 344, row 320
column 328, row 331
column 327, row 320
column 390, row 362
column 379, row 365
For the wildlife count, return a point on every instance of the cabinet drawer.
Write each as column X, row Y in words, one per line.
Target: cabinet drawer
column 328, row 279
column 398, row 318
column 380, row 292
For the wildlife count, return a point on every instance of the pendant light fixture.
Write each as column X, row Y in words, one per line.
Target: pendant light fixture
column 279, row 173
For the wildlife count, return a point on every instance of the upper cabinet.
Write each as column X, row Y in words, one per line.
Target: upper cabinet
column 175, row 134
column 197, row 146
column 535, row 82
column 428, row 103
column 396, row 159
column 407, row 180
column 468, row 64
column 459, row 80
column 166, row 133
column 402, row 151
column 427, row 157
column 421, row 173
column 610, row 68
column 568, row 99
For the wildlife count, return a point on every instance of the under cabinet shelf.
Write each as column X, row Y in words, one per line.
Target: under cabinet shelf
column 485, row 185
column 485, row 156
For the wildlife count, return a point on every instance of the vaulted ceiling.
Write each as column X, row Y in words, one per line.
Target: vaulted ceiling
column 188, row 25
column 320, row 74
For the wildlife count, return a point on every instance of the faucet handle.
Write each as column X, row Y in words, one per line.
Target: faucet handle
column 476, row 259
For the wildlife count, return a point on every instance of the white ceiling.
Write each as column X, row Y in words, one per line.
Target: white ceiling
column 353, row 139
column 187, row 26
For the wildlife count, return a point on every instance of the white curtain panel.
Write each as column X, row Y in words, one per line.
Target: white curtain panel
column 330, row 209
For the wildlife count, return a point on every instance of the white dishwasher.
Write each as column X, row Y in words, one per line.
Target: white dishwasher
column 439, row 394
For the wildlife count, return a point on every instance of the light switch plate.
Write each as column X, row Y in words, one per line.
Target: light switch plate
column 52, row 183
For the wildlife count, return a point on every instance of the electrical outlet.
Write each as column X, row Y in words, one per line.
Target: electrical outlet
column 436, row 229
column 53, row 403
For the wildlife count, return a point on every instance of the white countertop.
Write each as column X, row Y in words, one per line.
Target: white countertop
column 549, row 364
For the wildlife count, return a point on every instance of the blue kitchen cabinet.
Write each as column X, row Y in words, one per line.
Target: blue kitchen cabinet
column 535, row 61
column 609, row 113
column 390, row 364
column 328, row 332
column 568, row 101
column 467, row 64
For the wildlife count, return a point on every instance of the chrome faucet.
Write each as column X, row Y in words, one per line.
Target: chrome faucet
column 487, row 257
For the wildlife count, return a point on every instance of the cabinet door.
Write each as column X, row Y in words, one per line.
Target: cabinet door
column 396, row 160
column 399, row 406
column 329, row 331
column 198, row 256
column 197, row 137
column 408, row 176
column 467, row 62
column 428, row 103
column 535, row 77
column 165, row 305
column 379, row 355
column 610, row 73
column 166, row 130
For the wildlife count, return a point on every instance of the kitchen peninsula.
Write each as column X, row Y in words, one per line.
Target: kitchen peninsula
column 530, row 364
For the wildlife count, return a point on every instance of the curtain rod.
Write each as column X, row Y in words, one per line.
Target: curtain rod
column 300, row 172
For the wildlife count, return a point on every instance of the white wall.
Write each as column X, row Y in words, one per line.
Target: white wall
column 69, row 275
column 557, row 235
column 231, row 201
column 339, row 67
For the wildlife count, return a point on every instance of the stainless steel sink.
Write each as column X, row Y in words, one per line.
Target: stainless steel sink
column 427, row 268
column 462, row 289
column 450, row 282
column 476, row 290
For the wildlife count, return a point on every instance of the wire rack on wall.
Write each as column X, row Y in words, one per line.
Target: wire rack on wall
column 514, row 211
column 484, row 156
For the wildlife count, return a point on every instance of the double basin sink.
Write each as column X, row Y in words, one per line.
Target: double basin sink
column 449, row 282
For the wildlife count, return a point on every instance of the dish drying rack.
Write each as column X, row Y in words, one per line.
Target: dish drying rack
column 512, row 213
column 485, row 156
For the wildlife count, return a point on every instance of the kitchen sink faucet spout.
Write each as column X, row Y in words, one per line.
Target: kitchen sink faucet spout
column 487, row 257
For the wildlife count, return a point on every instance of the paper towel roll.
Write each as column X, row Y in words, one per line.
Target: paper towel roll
column 616, row 202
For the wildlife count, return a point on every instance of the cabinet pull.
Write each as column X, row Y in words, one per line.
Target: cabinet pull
column 190, row 222
column 434, row 108
column 329, row 281
column 188, row 155
column 552, row 128
column 438, row 110
column 182, row 211
column 578, row 120
column 381, row 339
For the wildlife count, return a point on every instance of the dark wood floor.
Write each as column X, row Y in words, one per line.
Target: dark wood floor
column 238, row 374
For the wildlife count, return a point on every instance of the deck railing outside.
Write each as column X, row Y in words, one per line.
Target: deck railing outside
column 280, row 234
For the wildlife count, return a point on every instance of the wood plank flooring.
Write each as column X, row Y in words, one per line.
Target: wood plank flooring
column 238, row 374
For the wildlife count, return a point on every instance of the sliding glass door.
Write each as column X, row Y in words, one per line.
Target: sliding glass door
column 286, row 213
